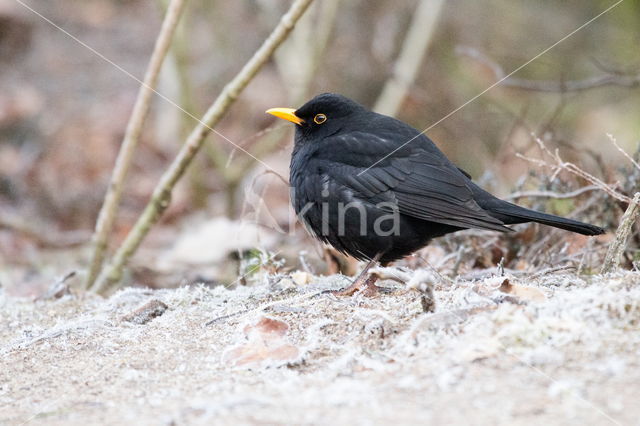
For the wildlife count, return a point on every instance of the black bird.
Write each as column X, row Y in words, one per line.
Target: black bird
column 377, row 189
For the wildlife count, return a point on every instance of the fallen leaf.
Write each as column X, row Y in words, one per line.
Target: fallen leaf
column 267, row 328
column 522, row 292
column 258, row 354
column 266, row 345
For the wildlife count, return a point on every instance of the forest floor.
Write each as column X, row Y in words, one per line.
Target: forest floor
column 546, row 349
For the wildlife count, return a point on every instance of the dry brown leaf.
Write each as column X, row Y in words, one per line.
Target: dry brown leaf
column 257, row 354
column 522, row 292
column 267, row 328
column 266, row 345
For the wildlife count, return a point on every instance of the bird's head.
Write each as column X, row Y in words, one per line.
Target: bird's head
column 323, row 115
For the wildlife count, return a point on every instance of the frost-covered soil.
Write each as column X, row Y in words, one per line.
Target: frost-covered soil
column 561, row 350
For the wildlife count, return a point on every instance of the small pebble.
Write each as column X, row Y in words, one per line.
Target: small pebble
column 146, row 312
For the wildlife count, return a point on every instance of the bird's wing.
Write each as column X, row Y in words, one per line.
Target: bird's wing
column 419, row 179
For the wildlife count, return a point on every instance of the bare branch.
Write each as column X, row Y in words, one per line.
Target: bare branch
column 572, row 168
column 109, row 209
column 630, row 158
column 551, row 194
column 608, row 79
column 413, row 50
column 300, row 57
column 162, row 194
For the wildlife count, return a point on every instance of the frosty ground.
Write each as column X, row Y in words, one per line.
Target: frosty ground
column 552, row 348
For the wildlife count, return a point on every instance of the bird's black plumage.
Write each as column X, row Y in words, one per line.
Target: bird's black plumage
column 360, row 187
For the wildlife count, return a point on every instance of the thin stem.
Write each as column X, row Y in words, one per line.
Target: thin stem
column 608, row 79
column 161, row 197
column 413, row 50
column 109, row 209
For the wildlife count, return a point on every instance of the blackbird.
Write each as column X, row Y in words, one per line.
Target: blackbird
column 377, row 189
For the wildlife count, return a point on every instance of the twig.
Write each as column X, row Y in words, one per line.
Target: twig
column 322, row 34
column 109, row 209
column 268, row 305
column 269, row 141
column 312, row 37
column 58, row 288
column 178, row 80
column 617, row 247
column 623, row 152
column 551, row 194
column 162, row 194
column 608, row 79
column 413, row 50
column 551, row 270
column 572, row 168
column 299, row 61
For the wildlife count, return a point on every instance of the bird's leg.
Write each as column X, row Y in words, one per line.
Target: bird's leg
column 364, row 281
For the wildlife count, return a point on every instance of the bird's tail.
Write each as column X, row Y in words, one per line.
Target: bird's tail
column 511, row 214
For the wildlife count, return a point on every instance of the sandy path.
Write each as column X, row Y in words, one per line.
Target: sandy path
column 565, row 353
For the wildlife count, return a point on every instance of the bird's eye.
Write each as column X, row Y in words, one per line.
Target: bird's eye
column 319, row 118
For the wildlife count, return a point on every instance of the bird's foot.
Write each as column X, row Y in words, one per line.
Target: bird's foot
column 420, row 281
column 365, row 284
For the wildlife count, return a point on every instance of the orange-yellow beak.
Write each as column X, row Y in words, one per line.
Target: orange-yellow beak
column 288, row 114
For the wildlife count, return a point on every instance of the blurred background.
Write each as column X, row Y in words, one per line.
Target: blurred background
column 64, row 110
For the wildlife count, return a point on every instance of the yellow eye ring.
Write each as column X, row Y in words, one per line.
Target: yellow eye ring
column 319, row 118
